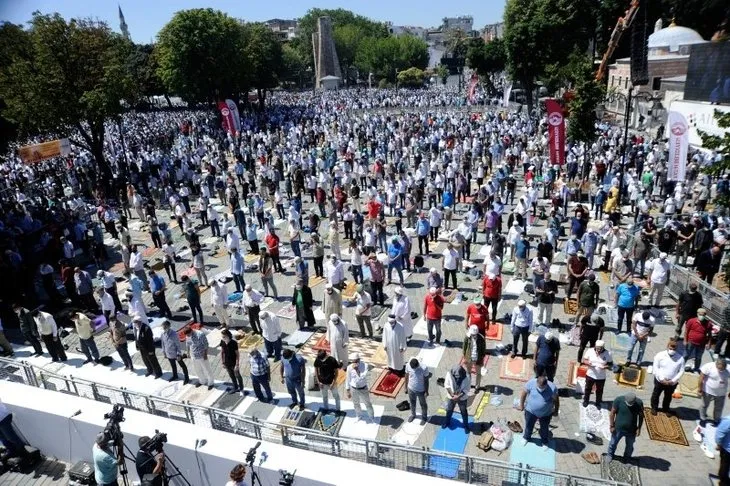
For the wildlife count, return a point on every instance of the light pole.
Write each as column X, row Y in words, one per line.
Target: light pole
column 396, row 81
column 612, row 97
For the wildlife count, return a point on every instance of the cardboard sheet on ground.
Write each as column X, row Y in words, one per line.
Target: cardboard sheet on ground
column 297, row 338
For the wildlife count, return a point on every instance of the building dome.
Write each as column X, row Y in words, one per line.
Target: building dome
column 672, row 38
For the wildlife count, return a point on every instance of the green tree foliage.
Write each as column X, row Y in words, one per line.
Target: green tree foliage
column 201, row 55
column 14, row 43
column 293, row 66
column 442, row 72
column 538, row 33
column 411, row 77
column 263, row 57
column 69, row 75
column 487, row 57
column 384, row 56
column 144, row 68
column 721, row 145
column 457, row 43
column 587, row 95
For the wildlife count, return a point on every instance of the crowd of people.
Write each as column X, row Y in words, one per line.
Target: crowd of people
column 377, row 180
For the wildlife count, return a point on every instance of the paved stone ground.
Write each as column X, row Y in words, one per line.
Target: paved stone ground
column 660, row 462
column 50, row 472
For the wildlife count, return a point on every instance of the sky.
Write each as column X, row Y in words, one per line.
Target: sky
column 146, row 17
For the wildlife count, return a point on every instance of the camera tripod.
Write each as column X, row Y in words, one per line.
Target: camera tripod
column 250, row 459
column 119, row 448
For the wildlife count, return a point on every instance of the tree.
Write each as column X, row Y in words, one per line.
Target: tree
column 442, row 72
column 347, row 39
column 721, row 145
column 14, row 43
column 538, row 33
column 144, row 68
column 201, row 56
column 263, row 59
column 293, row 66
column 487, row 57
column 587, row 95
column 457, row 43
column 411, row 77
column 71, row 78
column 383, row 57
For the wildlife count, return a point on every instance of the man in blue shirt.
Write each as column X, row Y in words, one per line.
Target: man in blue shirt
column 395, row 254
column 105, row 464
column 293, row 373
column 627, row 295
column 522, row 253
column 157, row 287
column 423, row 228
column 547, row 350
column 722, row 438
column 540, row 401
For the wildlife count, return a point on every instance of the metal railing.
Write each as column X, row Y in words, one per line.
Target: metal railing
column 469, row 469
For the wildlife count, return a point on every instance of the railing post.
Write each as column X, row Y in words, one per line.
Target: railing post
column 468, row 464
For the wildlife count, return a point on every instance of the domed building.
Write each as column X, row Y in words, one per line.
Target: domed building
column 674, row 39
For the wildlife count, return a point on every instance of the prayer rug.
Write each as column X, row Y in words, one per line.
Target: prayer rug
column 430, row 357
column 117, row 268
column 221, row 253
column 421, row 328
column 249, row 341
column 594, row 421
column 508, row 267
column 287, row 312
column 349, row 291
column 619, row 471
column 664, row 429
column 191, row 325
column 449, row 439
column 322, row 344
column 631, row 376
column 251, row 258
column 371, row 352
column 196, row 395
column 314, row 281
column 494, row 333
column 618, row 343
column 189, row 272
column 450, row 295
column 433, row 246
column 297, row 338
column 532, row 455
column 689, row 385
column 388, row 384
column 570, row 306
column 517, row 369
column 297, row 418
column 380, row 358
column 328, row 422
column 228, row 401
column 235, row 297
column 605, row 277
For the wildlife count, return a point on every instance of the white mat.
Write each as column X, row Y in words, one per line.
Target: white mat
column 595, row 421
column 408, row 433
column 421, row 328
column 484, row 250
column 431, row 357
column 297, row 338
column 514, row 287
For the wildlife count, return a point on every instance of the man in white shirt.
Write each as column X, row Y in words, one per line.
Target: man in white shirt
column 492, row 264
column 713, row 390
column 334, row 272
column 521, row 325
column 219, row 302
column 356, row 384
column 449, row 265
column 641, row 327
column 252, row 301
column 48, row 331
column 363, row 310
column 271, row 332
column 668, row 368
column 109, row 282
column 106, row 303
column 598, row 359
column 660, row 271
column 232, row 240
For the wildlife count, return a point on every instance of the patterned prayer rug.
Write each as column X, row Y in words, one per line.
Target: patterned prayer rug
column 570, row 306
column 228, row 401
column 619, row 471
column 689, row 385
column 494, row 333
column 191, row 325
column 249, row 341
column 287, row 312
column 664, row 429
column 322, row 344
column 314, row 281
column 328, row 422
column 517, row 369
column 388, row 384
column 349, row 291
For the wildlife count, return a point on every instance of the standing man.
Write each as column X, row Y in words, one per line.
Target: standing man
column 545, row 292
column 293, row 372
column 598, row 359
column 237, row 268
column 271, row 332
column 660, row 272
column 157, row 287
column 492, row 292
column 474, row 349
column 172, row 350
column 668, row 368
column 326, row 368
column 356, row 384
column 363, row 310
column 417, row 388
column 197, row 344
column 402, row 311
column 230, row 359
column 192, row 295
column 540, row 402
column 627, row 295
column 302, row 301
column 145, row 343
column 332, row 301
column 458, row 385
column 86, row 337
column 109, row 282
column 477, row 315
column 28, row 328
column 698, row 331
column 713, row 389
column 394, row 342
column 626, row 419
column 547, row 352
column 48, row 331
column 687, row 305
column 260, row 376
column 591, row 330
column 118, row 336
column 219, row 302
column 641, row 327
column 433, row 306
column 722, row 439
column 521, row 324
column 339, row 337
column 449, row 265
column 588, row 294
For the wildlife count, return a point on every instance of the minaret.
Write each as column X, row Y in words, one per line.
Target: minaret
column 123, row 24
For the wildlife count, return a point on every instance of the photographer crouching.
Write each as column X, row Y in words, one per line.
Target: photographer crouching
column 150, row 461
column 106, row 463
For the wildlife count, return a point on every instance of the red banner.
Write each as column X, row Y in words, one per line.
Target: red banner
column 228, row 121
column 556, row 132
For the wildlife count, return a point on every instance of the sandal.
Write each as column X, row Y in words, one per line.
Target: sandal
column 591, row 457
column 594, row 439
column 515, row 427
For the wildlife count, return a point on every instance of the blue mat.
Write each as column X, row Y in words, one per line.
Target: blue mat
column 450, row 439
column 235, row 297
column 532, row 455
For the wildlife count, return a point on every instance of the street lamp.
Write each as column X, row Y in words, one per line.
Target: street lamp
column 612, row 97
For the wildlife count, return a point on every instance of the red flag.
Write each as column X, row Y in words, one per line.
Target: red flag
column 228, row 122
column 556, row 132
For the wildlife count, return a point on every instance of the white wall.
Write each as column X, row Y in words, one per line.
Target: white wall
column 49, row 421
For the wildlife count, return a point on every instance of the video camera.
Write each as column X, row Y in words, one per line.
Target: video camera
column 286, row 478
column 112, row 432
column 155, row 443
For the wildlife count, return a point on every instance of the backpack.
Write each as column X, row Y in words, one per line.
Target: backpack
column 485, row 441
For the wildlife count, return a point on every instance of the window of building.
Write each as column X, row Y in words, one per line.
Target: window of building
column 656, row 83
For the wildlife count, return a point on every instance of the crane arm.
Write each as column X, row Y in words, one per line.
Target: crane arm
column 622, row 24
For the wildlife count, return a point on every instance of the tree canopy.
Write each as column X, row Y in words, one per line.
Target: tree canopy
column 65, row 76
column 383, row 57
column 487, row 57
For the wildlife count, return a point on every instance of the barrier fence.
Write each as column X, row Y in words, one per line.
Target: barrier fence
column 469, row 469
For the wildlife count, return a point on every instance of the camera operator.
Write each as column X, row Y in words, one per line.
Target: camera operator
column 150, row 464
column 237, row 476
column 106, row 465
